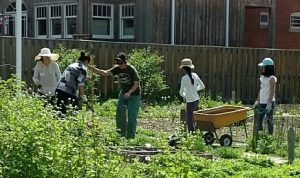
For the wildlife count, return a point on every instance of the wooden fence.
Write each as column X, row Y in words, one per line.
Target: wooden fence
column 223, row 70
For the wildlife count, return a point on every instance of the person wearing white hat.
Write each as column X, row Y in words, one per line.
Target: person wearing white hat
column 265, row 102
column 189, row 87
column 46, row 73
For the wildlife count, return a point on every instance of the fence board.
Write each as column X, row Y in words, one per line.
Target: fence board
column 222, row 70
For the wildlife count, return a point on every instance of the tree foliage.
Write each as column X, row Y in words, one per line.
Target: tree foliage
column 152, row 79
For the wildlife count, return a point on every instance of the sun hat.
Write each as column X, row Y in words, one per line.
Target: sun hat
column 266, row 62
column 186, row 63
column 46, row 52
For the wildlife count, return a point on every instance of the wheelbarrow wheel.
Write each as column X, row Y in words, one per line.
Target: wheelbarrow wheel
column 209, row 138
column 226, row 140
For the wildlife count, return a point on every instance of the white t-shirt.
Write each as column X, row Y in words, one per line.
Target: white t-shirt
column 189, row 91
column 265, row 89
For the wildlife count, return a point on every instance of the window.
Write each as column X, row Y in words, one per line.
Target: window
column 70, row 20
column 55, row 21
column 264, row 20
column 102, row 21
column 62, row 20
column 127, row 21
column 9, row 20
column 41, row 22
column 295, row 22
column 12, row 7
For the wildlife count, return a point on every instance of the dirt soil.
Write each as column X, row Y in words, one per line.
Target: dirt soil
column 162, row 125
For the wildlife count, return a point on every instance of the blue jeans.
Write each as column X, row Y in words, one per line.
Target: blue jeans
column 190, row 108
column 133, row 105
column 269, row 116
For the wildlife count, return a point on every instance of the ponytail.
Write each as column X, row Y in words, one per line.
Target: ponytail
column 84, row 57
column 189, row 72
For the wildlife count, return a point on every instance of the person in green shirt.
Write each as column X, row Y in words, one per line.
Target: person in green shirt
column 130, row 94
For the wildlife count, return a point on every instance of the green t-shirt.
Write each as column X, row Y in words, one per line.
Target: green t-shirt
column 127, row 77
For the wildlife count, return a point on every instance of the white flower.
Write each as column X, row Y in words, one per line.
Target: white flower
column 148, row 145
column 147, row 158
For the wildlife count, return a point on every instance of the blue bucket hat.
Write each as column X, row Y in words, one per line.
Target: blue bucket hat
column 266, row 62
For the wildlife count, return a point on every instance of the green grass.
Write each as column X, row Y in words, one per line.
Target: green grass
column 34, row 142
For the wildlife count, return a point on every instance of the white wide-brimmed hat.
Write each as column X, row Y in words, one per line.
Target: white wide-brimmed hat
column 186, row 63
column 46, row 52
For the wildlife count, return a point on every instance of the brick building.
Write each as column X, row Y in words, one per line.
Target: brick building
column 287, row 24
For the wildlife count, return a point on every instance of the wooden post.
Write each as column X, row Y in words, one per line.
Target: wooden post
column 291, row 145
column 255, row 129
column 183, row 118
column 123, row 118
column 233, row 95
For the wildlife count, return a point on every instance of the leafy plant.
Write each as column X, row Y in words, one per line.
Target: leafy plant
column 66, row 56
column 229, row 153
column 34, row 142
column 263, row 161
column 270, row 144
column 152, row 80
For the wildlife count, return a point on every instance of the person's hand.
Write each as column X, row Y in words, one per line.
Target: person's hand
column 127, row 95
column 255, row 104
column 83, row 98
column 91, row 67
column 269, row 107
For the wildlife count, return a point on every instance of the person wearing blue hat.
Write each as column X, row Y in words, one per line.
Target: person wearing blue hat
column 265, row 102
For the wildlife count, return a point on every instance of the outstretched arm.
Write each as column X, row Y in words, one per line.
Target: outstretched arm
column 101, row 71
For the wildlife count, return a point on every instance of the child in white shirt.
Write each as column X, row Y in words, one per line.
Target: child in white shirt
column 266, row 98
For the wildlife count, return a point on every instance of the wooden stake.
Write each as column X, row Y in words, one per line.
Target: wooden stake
column 291, row 145
column 255, row 129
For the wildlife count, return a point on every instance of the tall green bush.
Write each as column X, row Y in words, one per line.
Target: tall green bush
column 153, row 81
column 66, row 56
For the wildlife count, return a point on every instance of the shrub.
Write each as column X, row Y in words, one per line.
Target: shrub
column 152, row 80
column 66, row 56
column 229, row 153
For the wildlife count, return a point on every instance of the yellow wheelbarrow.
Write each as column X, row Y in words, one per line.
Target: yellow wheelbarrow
column 210, row 120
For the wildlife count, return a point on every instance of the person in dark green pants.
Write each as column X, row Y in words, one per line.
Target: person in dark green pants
column 130, row 94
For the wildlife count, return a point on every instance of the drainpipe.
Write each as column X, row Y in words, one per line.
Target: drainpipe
column 173, row 22
column 227, row 24
column 18, row 34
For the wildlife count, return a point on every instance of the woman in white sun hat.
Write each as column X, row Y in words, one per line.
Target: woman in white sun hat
column 46, row 73
column 190, row 85
column 265, row 102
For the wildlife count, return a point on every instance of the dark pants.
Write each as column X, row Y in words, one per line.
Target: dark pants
column 64, row 99
column 49, row 99
column 190, row 108
column 269, row 116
